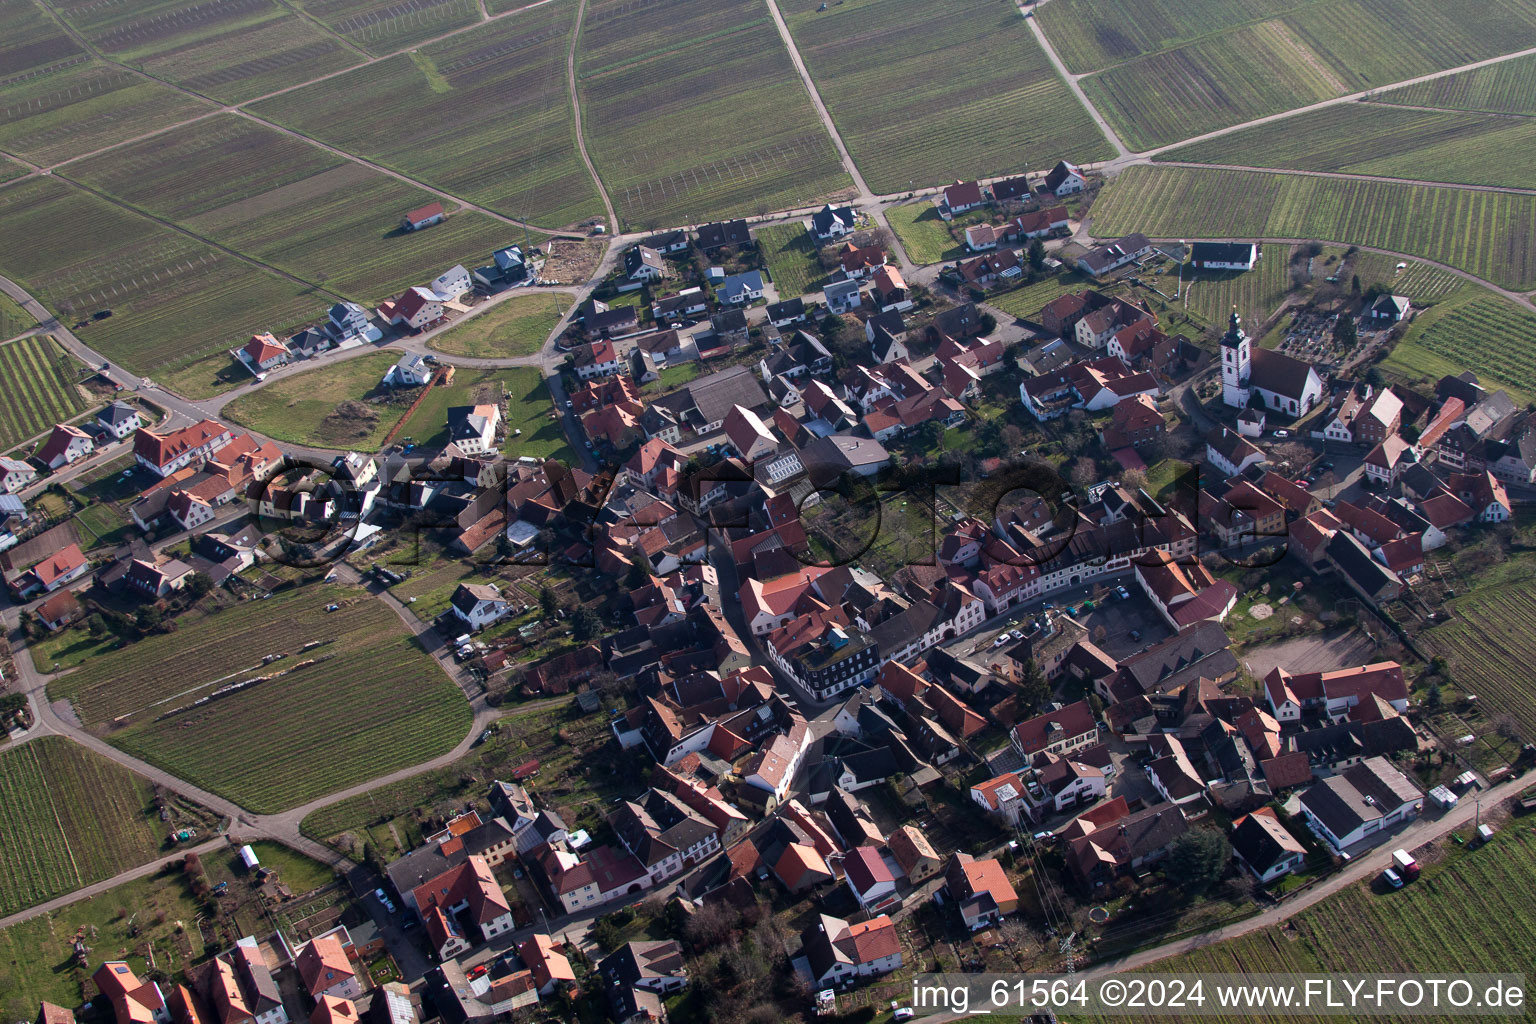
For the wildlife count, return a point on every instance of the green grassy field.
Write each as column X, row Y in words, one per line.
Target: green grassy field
column 515, row 327
column 304, row 409
column 13, row 319
column 174, row 299
column 791, row 254
column 69, row 817
column 1490, row 234
column 754, row 141
column 231, row 51
column 923, row 233
column 292, row 205
column 10, row 170
column 1246, row 73
column 926, row 93
column 372, row 701
column 1474, row 330
column 1093, row 34
column 487, row 111
column 40, row 388
column 383, row 26
column 528, row 409
column 39, row 959
column 1508, row 87
column 1373, row 138
column 1488, row 643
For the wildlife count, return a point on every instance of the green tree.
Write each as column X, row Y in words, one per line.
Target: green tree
column 637, row 576
column 1037, row 254
column 1354, row 285
column 1034, row 691
column 1198, row 859
column 1433, row 700
column 547, row 603
column 198, row 584
column 1344, row 333
column 585, row 625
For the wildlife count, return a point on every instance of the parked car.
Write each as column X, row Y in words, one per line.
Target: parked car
column 1392, row 878
column 1282, row 433
column 1135, row 635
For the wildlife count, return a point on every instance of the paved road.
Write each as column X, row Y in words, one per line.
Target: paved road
column 108, row 884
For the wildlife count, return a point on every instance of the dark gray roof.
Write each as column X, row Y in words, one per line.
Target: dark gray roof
column 1258, row 840
column 1355, row 562
column 117, row 413
column 822, row 219
column 1221, row 252
column 732, row 232
column 788, row 309
column 715, row 394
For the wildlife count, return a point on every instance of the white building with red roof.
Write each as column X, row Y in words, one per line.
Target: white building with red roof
column 772, row 769
column 1334, row 693
column 1061, row 731
column 165, row 453
column 467, row 893
column 65, row 445
column 263, row 352
column 869, row 878
column 415, row 308
column 839, row 952
column 60, row 568
column 423, row 217
column 960, row 197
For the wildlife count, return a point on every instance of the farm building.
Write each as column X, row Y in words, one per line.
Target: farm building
column 424, row 217
column 1223, row 255
column 248, row 858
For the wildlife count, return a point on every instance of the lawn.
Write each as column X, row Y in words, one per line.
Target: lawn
column 231, row 51
column 1374, row 138
column 755, row 143
column 291, row 205
column 174, row 300
column 37, row 958
column 109, row 527
column 489, row 112
column 517, row 326
column 69, row 817
column 327, row 407
column 925, row 93
column 790, row 252
column 1489, row 234
column 69, row 649
column 1474, row 330
column 363, row 692
column 1508, row 87
column 528, row 408
column 923, row 233
column 13, row 319
column 39, row 388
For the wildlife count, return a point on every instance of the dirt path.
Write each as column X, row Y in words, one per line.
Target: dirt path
column 1077, row 90
column 581, row 140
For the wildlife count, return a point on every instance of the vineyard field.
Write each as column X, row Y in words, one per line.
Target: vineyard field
column 1092, row 34
column 372, row 700
column 790, row 252
column 1373, row 138
column 1240, row 75
column 1489, row 234
column 384, row 26
column 68, row 818
column 81, row 106
column 755, row 143
column 488, row 114
column 174, row 299
column 231, row 51
column 1421, row 282
column 926, row 93
column 1508, row 87
column 40, row 388
column 1480, row 332
column 291, row 205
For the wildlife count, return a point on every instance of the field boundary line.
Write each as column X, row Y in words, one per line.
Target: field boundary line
column 581, row 141
column 253, row 261
column 1147, row 155
column 1349, row 176
column 1512, row 114
column 304, row 15
column 865, row 195
column 1073, row 83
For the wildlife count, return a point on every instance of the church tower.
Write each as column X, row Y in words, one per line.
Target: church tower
column 1235, row 364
